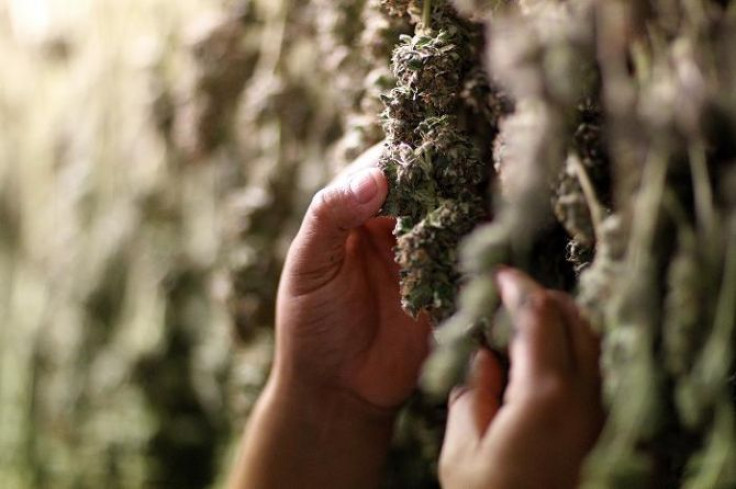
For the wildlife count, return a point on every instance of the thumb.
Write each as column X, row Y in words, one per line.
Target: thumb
column 318, row 250
column 473, row 407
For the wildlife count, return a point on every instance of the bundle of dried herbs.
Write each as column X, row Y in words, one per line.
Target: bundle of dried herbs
column 438, row 172
column 618, row 134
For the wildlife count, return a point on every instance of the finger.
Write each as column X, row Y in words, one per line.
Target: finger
column 473, row 407
column 382, row 238
column 540, row 345
column 318, row 250
column 486, row 380
column 585, row 342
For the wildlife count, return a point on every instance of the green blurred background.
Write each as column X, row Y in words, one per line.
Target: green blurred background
column 155, row 159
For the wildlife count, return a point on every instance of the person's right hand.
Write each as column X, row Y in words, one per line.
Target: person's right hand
column 551, row 413
column 347, row 356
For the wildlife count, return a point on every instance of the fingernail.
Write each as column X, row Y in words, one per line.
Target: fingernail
column 456, row 393
column 503, row 279
column 364, row 186
column 514, row 291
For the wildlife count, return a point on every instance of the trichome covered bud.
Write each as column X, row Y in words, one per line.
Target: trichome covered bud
column 429, row 65
column 434, row 167
column 427, row 254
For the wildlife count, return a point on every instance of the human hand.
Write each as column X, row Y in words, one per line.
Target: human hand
column 346, row 354
column 340, row 327
column 551, row 413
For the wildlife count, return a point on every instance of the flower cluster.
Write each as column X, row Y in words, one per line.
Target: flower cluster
column 435, row 168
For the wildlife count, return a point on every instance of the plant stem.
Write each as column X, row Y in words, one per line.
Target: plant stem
column 427, row 14
column 597, row 212
column 701, row 187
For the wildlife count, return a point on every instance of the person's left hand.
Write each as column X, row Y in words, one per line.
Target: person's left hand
column 340, row 325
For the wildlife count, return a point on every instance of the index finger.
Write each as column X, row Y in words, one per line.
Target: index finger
column 541, row 345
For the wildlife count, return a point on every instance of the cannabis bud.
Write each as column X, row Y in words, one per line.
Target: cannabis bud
column 434, row 168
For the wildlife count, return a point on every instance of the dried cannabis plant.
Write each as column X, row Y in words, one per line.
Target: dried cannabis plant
column 438, row 172
column 619, row 133
column 589, row 142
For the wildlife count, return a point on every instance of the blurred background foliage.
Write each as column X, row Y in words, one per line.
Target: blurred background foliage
column 155, row 158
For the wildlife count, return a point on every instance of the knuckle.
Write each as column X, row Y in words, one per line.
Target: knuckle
column 321, row 206
column 535, row 310
column 447, row 469
column 461, row 469
column 553, row 390
column 327, row 204
column 320, row 201
column 539, row 303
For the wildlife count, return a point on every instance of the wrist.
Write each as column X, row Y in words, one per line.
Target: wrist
column 312, row 437
column 319, row 403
